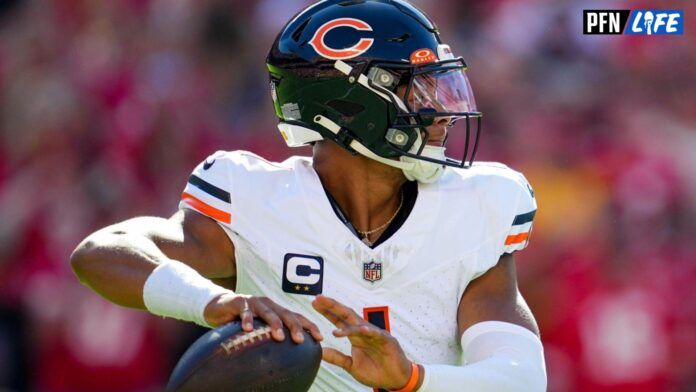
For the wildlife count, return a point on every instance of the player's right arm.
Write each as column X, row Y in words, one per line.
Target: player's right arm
column 117, row 261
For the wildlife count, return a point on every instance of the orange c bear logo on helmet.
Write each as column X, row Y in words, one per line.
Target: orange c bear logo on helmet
column 328, row 52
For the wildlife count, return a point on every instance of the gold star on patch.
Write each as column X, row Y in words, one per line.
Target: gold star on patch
column 297, row 287
column 306, row 288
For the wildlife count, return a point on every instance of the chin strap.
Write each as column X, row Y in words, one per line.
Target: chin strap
column 360, row 148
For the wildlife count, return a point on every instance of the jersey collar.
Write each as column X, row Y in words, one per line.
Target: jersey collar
column 324, row 218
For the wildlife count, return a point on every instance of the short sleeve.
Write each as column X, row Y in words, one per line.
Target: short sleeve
column 506, row 206
column 519, row 225
column 207, row 190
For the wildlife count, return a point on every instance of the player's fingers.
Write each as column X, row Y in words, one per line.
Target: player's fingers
column 290, row 319
column 293, row 323
column 311, row 327
column 271, row 318
column 352, row 330
column 337, row 358
column 326, row 305
column 335, row 320
column 247, row 317
column 222, row 310
column 345, row 313
column 363, row 335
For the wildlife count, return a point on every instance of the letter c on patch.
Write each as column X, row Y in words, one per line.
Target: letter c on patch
column 303, row 274
column 294, row 276
column 324, row 50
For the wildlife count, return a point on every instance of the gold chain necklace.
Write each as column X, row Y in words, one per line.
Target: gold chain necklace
column 366, row 234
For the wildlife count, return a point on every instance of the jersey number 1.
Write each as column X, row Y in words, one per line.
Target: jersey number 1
column 378, row 316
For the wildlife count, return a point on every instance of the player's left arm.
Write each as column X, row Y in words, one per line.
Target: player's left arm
column 499, row 336
column 495, row 296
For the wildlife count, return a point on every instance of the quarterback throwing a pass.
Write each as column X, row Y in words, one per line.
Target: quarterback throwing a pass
column 399, row 253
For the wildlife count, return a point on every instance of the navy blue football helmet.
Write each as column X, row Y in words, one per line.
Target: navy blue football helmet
column 371, row 75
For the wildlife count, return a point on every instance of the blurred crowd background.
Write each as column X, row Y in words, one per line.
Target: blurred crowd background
column 106, row 107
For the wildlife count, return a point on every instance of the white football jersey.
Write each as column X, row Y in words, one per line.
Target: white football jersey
column 290, row 246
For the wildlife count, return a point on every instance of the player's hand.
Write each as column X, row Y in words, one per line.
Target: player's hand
column 229, row 307
column 376, row 359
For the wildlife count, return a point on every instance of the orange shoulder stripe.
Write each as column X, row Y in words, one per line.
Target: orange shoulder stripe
column 206, row 209
column 516, row 238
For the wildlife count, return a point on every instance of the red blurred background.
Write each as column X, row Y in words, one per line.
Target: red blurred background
column 105, row 108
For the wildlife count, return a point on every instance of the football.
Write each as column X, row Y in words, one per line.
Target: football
column 229, row 359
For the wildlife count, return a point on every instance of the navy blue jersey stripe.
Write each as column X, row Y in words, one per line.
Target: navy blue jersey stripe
column 209, row 188
column 524, row 218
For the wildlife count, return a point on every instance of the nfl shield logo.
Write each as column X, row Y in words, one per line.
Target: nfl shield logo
column 372, row 271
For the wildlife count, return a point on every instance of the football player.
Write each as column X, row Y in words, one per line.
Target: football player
column 401, row 252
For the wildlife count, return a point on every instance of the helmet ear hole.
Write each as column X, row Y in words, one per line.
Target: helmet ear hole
column 397, row 137
column 384, row 78
column 345, row 108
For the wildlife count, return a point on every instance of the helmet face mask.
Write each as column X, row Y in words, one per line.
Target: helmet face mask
column 431, row 92
column 385, row 93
